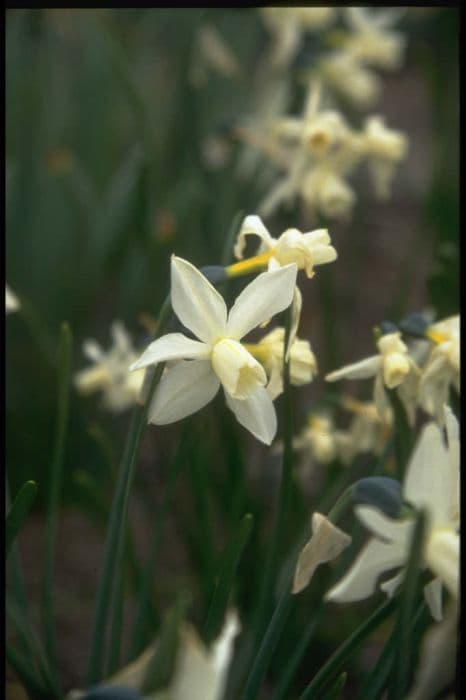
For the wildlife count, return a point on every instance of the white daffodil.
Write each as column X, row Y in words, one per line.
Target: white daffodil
column 367, row 431
column 218, row 357
column 269, row 352
column 431, row 483
column 392, row 368
column 288, row 26
column 306, row 250
column 110, row 371
column 11, row 301
column 199, row 673
column 318, row 436
column 442, row 367
column 343, row 72
column 371, row 40
column 385, row 148
column 327, row 543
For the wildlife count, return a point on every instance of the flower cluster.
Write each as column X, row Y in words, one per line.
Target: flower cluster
column 319, row 151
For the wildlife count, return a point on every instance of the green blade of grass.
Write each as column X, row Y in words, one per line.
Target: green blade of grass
column 56, row 479
column 18, row 512
column 22, row 667
column 334, row 692
column 345, row 650
column 408, row 598
column 226, row 579
column 117, row 523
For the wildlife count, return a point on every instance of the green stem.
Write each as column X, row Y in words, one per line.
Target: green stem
column 349, row 646
column 18, row 512
column 55, row 488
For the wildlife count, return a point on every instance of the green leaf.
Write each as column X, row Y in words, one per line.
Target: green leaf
column 336, row 688
column 18, row 512
column 55, row 488
column 226, row 579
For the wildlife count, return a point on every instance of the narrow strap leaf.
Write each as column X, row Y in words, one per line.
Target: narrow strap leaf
column 226, row 579
column 18, row 512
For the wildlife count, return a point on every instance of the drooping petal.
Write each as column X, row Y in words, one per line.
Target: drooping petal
column 383, row 527
column 360, row 581
column 184, row 389
column 196, row 302
column 173, row 346
column 359, row 370
column 267, row 295
column 433, row 598
column 256, row 414
column 253, row 225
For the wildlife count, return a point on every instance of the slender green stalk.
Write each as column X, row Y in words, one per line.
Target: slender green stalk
column 22, row 667
column 334, row 692
column 18, row 512
column 117, row 623
column 408, row 598
column 345, row 650
column 55, row 487
column 401, row 433
column 268, row 645
column 117, row 523
column 230, row 238
column 226, row 579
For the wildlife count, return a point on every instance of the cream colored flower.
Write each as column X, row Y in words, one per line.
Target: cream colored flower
column 346, row 74
column 306, row 250
column 199, row 673
column 392, row 368
column 371, row 40
column 110, row 371
column 11, row 301
column 288, row 26
column 431, row 483
column 218, row 357
column 367, row 431
column 385, row 148
column 319, row 437
column 327, row 543
column 269, row 352
column 442, row 367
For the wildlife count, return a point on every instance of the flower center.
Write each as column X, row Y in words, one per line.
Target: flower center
column 240, row 374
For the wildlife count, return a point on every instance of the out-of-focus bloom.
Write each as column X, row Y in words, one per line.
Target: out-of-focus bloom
column 318, row 436
column 306, row 250
column 327, row 543
column 431, row 483
column 11, row 301
column 370, row 43
column 199, row 673
column 110, row 371
column 367, row 431
column 371, row 40
column 288, row 26
column 218, row 357
column 385, row 148
column 437, row 658
column 392, row 368
column 212, row 53
column 269, row 352
column 442, row 367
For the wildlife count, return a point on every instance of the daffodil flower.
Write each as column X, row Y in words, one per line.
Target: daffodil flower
column 392, row 368
column 442, row 367
column 431, row 483
column 109, row 372
column 217, row 357
column 269, row 352
column 318, row 436
column 367, row 431
column 306, row 250
column 372, row 41
column 11, row 301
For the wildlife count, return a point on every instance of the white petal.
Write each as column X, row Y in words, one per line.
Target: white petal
column 92, row 350
column 264, row 297
column 252, row 225
column 433, row 598
column 424, row 483
column 359, row 370
column 173, row 346
column 442, row 557
column 196, row 302
column 256, row 414
column 183, row 390
column 361, row 580
column 383, row 527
